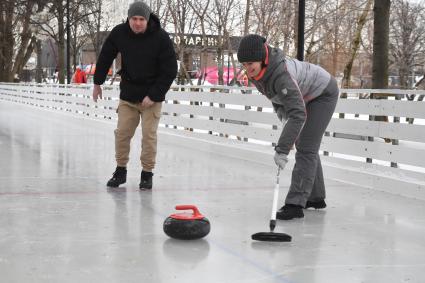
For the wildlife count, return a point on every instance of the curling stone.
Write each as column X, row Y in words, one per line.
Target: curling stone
column 187, row 226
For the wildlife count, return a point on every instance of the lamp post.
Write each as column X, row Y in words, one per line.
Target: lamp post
column 68, row 42
column 301, row 22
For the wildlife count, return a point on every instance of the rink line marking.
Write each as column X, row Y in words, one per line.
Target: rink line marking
column 277, row 276
column 135, row 177
column 332, row 266
column 45, row 193
column 137, row 190
column 124, row 190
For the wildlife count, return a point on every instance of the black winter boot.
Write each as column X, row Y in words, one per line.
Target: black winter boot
column 119, row 177
column 316, row 204
column 145, row 180
column 290, row 211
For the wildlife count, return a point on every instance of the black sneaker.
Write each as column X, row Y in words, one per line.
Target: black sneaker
column 119, row 177
column 145, row 180
column 316, row 204
column 290, row 211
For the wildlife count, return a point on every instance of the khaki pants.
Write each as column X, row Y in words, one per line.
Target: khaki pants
column 129, row 115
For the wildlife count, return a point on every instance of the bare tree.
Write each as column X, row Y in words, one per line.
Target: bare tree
column 315, row 25
column 94, row 23
column 407, row 38
column 266, row 14
column 159, row 8
column 17, row 36
column 246, row 20
column 355, row 44
column 221, row 19
column 339, row 11
column 184, row 22
column 81, row 12
column 273, row 20
column 200, row 8
column 51, row 23
column 285, row 32
column 328, row 26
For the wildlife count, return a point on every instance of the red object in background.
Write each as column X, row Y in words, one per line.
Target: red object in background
column 79, row 76
column 210, row 74
column 91, row 68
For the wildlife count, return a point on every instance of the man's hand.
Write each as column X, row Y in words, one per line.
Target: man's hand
column 280, row 159
column 97, row 92
column 147, row 102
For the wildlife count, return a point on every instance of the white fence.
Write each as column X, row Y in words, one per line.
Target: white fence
column 388, row 156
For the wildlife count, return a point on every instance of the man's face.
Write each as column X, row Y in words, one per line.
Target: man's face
column 138, row 24
column 252, row 69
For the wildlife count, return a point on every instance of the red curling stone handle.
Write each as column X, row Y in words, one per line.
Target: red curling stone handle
column 195, row 212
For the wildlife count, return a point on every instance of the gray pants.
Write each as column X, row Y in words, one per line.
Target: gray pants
column 307, row 182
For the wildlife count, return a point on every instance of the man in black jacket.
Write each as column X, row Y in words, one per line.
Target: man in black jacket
column 149, row 67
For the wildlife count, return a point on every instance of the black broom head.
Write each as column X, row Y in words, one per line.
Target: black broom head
column 271, row 237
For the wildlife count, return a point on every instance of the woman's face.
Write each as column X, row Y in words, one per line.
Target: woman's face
column 252, row 69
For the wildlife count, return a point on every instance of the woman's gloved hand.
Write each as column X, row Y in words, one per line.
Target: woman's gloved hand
column 280, row 159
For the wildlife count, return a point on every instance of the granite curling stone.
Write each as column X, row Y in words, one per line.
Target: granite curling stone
column 187, row 226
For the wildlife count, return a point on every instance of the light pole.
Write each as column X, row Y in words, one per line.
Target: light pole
column 68, row 42
column 301, row 22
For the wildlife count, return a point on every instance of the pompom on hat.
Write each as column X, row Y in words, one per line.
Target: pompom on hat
column 139, row 8
column 252, row 49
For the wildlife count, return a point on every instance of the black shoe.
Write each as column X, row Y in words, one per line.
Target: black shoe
column 145, row 180
column 119, row 177
column 290, row 211
column 316, row 204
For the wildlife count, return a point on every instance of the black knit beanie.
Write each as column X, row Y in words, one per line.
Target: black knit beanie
column 139, row 8
column 251, row 49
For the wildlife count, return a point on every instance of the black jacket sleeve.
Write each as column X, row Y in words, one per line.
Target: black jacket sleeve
column 107, row 55
column 167, row 70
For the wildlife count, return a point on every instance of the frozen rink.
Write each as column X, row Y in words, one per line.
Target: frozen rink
column 60, row 223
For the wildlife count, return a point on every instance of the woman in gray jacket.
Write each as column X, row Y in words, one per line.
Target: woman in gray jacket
column 304, row 97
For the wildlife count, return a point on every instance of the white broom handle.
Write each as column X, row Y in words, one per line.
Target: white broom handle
column 275, row 195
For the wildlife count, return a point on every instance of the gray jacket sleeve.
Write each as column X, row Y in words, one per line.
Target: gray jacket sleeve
column 288, row 96
column 279, row 111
